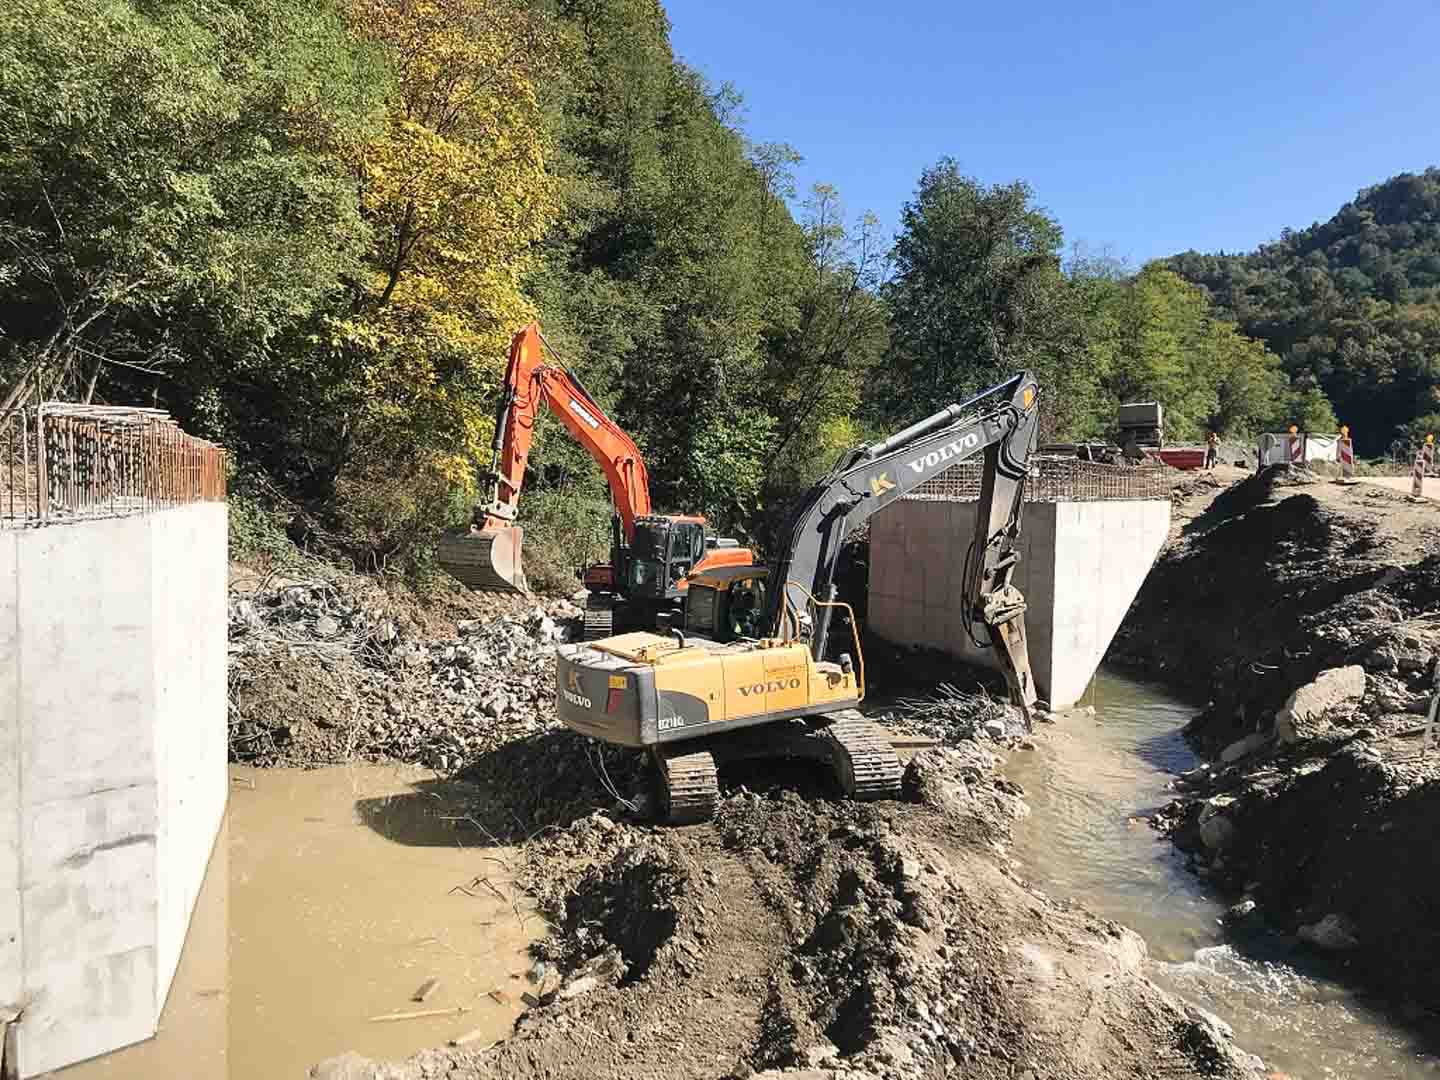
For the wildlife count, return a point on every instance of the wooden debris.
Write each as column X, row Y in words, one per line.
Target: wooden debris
column 426, row 989
column 418, row 1015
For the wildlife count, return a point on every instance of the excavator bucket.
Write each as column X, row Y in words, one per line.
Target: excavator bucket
column 487, row 560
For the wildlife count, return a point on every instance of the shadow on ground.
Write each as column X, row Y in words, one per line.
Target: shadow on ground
column 512, row 793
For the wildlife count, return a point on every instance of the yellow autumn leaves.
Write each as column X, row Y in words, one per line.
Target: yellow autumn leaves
column 454, row 186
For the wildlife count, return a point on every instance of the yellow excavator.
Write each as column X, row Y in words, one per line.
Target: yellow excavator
column 751, row 674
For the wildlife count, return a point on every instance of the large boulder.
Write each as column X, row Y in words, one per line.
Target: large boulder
column 1332, row 691
column 1244, row 747
column 1333, row 932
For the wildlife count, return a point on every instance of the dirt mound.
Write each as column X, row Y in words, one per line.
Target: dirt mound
column 859, row 940
column 629, row 905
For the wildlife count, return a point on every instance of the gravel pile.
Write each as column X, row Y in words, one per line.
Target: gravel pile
column 318, row 675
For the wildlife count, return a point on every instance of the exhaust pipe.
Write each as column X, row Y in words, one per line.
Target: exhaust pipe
column 486, row 560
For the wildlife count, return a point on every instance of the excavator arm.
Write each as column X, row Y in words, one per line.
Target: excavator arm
column 1000, row 422
column 487, row 555
column 531, row 383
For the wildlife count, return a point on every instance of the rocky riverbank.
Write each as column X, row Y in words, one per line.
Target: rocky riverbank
column 1308, row 615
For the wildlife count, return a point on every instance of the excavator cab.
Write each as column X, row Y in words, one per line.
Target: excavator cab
column 663, row 553
column 727, row 603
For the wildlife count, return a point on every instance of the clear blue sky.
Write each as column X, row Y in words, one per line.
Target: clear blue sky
column 1146, row 128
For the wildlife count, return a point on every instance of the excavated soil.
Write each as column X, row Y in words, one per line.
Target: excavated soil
column 808, row 937
column 1328, row 832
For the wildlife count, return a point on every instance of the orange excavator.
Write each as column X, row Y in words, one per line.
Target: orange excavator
column 651, row 555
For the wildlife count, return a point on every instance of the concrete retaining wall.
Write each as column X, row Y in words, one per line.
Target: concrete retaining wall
column 112, row 768
column 1081, row 564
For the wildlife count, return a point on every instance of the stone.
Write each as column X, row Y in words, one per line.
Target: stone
column 909, row 870
column 1244, row 747
column 347, row 1066
column 1244, row 915
column 995, row 729
column 325, row 626
column 577, row 987
column 1333, row 932
column 1338, row 688
column 1216, row 833
column 1380, row 660
column 820, row 1053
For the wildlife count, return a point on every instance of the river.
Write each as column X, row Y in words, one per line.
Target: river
column 332, row 896
column 1089, row 781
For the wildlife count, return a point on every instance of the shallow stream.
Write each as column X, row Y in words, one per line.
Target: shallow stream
column 1088, row 783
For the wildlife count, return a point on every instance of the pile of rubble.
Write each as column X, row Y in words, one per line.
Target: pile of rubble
column 318, row 675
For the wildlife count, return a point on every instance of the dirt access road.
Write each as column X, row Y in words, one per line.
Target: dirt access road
column 1402, row 484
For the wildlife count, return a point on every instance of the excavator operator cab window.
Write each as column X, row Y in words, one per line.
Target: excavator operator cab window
column 745, row 610
column 687, row 547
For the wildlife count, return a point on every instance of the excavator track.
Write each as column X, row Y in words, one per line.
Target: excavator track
column 866, row 765
column 689, row 786
column 599, row 616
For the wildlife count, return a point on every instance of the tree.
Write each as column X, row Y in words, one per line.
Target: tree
column 454, row 187
column 818, row 365
column 170, row 204
column 976, row 295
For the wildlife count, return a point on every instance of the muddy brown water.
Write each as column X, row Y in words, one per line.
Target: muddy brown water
column 1087, row 783
column 332, row 896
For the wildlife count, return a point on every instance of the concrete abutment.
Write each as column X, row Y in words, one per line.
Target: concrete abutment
column 112, row 768
column 1081, row 564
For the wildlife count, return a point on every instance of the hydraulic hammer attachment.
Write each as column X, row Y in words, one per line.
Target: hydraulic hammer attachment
column 1003, row 615
column 488, row 559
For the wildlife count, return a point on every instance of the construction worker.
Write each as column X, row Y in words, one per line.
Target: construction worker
column 1212, row 450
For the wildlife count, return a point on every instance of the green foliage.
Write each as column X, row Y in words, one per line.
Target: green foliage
column 564, row 531
column 1155, row 337
column 977, row 295
column 1352, row 306
column 256, row 532
column 168, row 196
column 1421, row 426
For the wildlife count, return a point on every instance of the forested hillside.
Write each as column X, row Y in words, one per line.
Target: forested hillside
column 309, row 228
column 1351, row 305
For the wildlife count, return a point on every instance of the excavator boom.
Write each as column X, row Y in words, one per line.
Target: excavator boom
column 488, row 554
